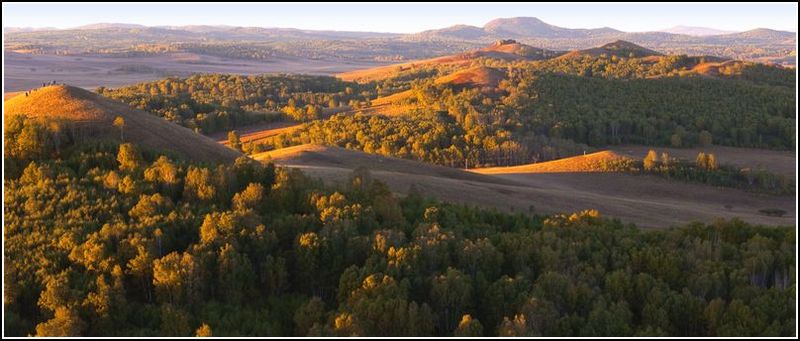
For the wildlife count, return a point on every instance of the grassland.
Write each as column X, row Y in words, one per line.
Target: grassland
column 648, row 201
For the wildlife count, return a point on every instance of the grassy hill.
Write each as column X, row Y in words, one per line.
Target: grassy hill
column 479, row 76
column 505, row 50
column 89, row 115
column 582, row 163
column 563, row 185
column 619, row 48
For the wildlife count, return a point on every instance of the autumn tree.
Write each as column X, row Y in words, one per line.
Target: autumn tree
column 468, row 327
column 234, row 141
column 119, row 122
column 203, row 331
column 650, row 160
column 128, row 157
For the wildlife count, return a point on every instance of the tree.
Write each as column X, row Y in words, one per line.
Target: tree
column 119, row 122
column 251, row 198
column 199, row 185
column 451, row 294
column 675, row 140
column 176, row 278
column 711, row 162
column 468, row 327
column 174, row 321
column 234, row 141
column 649, row 162
column 66, row 322
column 164, row 173
column 704, row 138
column 203, row 331
column 701, row 160
column 128, row 157
column 308, row 315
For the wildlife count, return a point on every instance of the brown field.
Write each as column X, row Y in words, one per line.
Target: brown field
column 645, row 200
column 89, row 115
column 27, row 71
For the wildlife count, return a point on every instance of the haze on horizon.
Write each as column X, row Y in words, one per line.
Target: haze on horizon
column 394, row 18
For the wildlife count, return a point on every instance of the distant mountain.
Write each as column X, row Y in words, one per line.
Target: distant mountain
column 517, row 28
column 100, row 26
column 764, row 34
column 531, row 27
column 27, row 29
column 695, row 31
column 763, row 45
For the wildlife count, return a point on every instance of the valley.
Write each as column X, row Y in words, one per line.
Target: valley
column 26, row 71
column 646, row 201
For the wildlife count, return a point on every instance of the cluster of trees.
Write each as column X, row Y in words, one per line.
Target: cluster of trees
column 217, row 102
column 107, row 240
column 706, row 169
column 619, row 66
column 434, row 138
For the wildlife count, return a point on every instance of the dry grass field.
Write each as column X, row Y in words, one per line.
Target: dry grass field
column 645, row 200
column 582, row 163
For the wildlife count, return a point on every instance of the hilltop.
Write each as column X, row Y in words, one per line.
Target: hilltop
column 479, row 76
column 576, row 164
column 87, row 114
column 619, row 48
column 506, row 50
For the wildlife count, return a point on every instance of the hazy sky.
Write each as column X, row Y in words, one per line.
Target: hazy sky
column 406, row 18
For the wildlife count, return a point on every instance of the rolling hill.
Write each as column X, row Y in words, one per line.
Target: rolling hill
column 619, row 48
column 576, row 164
column 507, row 50
column 479, row 76
column 647, row 201
column 90, row 115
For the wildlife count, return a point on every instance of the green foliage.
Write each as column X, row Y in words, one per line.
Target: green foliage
column 250, row 250
column 214, row 102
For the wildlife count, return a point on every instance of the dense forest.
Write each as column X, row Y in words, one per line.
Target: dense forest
column 214, row 102
column 103, row 239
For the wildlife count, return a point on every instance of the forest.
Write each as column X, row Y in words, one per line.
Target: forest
column 215, row 102
column 542, row 109
column 106, row 239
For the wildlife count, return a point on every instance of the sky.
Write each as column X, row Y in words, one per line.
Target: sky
column 406, row 18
